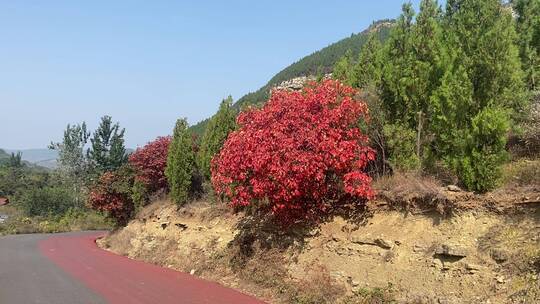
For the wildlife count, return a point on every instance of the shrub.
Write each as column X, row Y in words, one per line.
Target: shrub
column 180, row 170
column 300, row 156
column 139, row 195
column 149, row 163
column 401, row 145
column 479, row 169
column 45, row 201
column 112, row 194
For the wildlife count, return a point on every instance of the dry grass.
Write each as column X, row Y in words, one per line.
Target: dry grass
column 411, row 192
column 523, row 172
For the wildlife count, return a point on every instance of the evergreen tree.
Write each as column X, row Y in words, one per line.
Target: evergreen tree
column 398, row 83
column 219, row 127
column 368, row 68
column 15, row 160
column 485, row 34
column 181, row 163
column 107, row 152
column 343, row 69
column 450, row 106
column 479, row 92
column 428, row 52
column 528, row 29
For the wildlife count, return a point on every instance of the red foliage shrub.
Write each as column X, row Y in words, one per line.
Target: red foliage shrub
column 300, row 156
column 111, row 194
column 149, row 163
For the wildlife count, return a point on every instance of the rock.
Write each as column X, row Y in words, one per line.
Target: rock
column 453, row 188
column 383, row 243
column 473, row 268
column 499, row 255
column 500, row 279
column 355, row 283
column 451, row 250
column 164, row 225
column 437, row 264
column 380, row 242
column 192, row 272
column 418, row 248
column 181, row 226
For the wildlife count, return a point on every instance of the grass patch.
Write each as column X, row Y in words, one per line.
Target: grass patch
column 72, row 220
column 377, row 295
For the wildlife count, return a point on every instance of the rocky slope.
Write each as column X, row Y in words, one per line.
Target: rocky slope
column 441, row 245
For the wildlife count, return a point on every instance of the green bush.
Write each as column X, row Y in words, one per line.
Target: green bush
column 401, row 146
column 139, row 195
column 46, row 201
column 479, row 168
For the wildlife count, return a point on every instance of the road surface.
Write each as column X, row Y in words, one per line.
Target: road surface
column 70, row 269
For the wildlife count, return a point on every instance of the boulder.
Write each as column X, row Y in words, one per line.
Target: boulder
column 451, row 250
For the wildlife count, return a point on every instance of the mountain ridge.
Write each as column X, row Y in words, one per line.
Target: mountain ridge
column 318, row 62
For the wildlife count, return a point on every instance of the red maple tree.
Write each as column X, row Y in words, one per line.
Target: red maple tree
column 149, row 163
column 300, row 156
column 111, row 194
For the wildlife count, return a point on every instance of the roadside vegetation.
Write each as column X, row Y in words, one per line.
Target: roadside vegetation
column 449, row 100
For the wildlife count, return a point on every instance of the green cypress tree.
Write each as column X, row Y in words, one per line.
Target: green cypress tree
column 398, row 81
column 219, row 127
column 450, row 110
column 181, row 164
column 485, row 34
column 479, row 92
column 428, row 51
column 528, row 29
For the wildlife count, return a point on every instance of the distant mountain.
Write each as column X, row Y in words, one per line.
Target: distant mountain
column 40, row 157
column 319, row 62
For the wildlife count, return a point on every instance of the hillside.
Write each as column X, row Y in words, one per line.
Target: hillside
column 321, row 61
column 406, row 251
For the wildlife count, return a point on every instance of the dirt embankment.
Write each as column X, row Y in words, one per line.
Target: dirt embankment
column 436, row 245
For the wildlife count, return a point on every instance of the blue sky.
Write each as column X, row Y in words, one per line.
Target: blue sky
column 147, row 63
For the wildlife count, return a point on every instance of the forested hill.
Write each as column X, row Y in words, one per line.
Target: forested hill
column 321, row 61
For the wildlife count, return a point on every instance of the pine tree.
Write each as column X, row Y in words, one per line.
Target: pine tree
column 368, row 68
column 485, row 34
column 219, row 127
column 528, row 29
column 107, row 152
column 180, row 163
column 398, row 81
column 428, row 52
column 479, row 92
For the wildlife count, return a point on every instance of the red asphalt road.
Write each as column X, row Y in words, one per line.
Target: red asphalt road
column 122, row 280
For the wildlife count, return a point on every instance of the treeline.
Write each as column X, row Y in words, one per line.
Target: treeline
column 56, row 200
column 449, row 85
column 177, row 166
